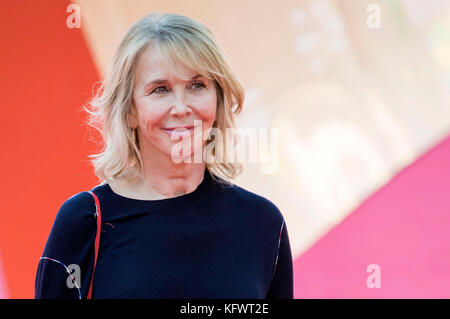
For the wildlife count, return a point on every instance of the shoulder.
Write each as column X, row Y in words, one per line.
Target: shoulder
column 253, row 203
column 73, row 227
column 76, row 211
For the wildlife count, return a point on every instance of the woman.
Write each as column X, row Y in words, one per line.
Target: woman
column 171, row 227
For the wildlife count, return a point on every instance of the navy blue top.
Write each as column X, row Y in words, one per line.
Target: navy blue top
column 215, row 242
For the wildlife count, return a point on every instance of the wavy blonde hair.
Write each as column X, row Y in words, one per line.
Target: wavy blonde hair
column 179, row 38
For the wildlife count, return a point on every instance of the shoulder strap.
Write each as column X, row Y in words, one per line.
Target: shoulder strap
column 98, row 216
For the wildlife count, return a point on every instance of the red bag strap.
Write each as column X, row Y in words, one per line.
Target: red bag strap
column 98, row 215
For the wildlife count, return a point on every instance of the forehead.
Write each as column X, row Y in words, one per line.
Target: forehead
column 151, row 65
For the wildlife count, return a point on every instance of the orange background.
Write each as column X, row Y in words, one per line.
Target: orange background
column 47, row 75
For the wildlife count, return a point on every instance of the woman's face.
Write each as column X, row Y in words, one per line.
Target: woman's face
column 165, row 104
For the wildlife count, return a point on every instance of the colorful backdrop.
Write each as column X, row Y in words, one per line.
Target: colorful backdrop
column 360, row 93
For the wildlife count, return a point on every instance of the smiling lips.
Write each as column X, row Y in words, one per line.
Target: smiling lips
column 179, row 130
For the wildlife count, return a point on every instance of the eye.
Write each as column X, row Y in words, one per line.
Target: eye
column 200, row 85
column 157, row 91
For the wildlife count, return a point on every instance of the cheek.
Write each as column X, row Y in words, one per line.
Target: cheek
column 151, row 118
column 208, row 109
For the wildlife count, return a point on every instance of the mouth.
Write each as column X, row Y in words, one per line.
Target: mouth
column 182, row 131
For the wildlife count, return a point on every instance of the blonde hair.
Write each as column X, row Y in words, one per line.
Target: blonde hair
column 179, row 38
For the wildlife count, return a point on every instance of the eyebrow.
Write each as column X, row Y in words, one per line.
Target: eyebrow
column 159, row 81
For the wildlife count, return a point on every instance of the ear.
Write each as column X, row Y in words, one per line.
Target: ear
column 133, row 118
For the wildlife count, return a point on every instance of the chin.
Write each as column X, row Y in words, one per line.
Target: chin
column 187, row 155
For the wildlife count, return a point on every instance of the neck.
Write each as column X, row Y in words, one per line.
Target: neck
column 163, row 178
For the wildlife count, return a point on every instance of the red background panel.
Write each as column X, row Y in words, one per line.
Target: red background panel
column 47, row 75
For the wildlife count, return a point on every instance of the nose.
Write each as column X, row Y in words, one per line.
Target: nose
column 180, row 107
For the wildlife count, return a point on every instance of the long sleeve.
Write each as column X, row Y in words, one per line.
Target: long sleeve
column 71, row 242
column 282, row 286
